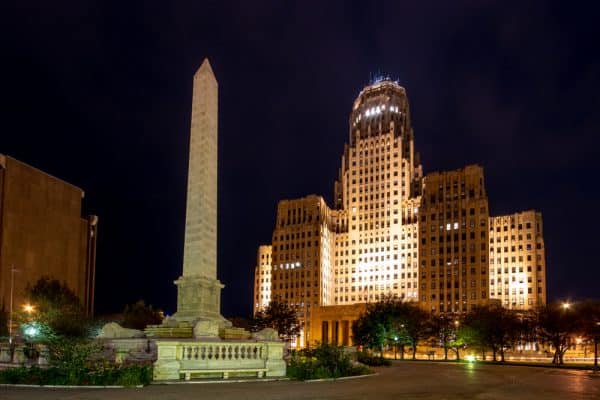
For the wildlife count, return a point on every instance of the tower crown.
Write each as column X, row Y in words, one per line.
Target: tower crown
column 379, row 107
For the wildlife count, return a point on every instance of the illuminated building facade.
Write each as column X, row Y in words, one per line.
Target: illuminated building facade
column 42, row 234
column 262, row 278
column 380, row 172
column 517, row 260
column 391, row 231
column 454, row 241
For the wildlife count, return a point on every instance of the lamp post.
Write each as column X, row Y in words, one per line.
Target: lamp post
column 395, row 347
column 596, row 339
column 10, row 312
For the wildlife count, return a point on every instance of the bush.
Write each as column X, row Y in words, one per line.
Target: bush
column 75, row 362
column 372, row 361
column 324, row 361
column 106, row 375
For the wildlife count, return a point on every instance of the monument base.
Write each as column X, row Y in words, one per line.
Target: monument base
column 199, row 305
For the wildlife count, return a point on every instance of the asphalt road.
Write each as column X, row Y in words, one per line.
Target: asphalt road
column 406, row 380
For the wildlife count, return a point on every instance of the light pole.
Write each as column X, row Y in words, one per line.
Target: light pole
column 596, row 339
column 395, row 346
column 10, row 312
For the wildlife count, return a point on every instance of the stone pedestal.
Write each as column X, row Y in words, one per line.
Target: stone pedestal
column 44, row 355
column 19, row 355
column 199, row 299
column 5, row 356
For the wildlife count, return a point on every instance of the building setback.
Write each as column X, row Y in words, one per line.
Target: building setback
column 262, row 278
column 454, row 242
column 42, row 233
column 393, row 232
column 518, row 260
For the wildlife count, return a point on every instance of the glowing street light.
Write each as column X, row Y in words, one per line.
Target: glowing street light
column 566, row 305
column 28, row 308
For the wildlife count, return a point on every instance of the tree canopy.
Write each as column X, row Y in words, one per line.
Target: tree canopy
column 279, row 316
column 139, row 315
column 57, row 310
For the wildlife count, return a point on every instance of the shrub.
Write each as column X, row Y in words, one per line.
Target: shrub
column 324, row 361
column 127, row 375
column 372, row 361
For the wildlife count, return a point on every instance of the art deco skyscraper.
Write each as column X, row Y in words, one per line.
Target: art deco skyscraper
column 392, row 231
column 380, row 172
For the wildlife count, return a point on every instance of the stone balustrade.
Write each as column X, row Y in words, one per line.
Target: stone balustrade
column 218, row 358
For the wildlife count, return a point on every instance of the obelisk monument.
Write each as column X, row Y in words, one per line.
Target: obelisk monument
column 198, row 289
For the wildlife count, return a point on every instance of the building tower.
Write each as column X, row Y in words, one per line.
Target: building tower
column 454, row 241
column 380, row 173
column 262, row 278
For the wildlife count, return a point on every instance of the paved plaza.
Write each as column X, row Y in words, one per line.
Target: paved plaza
column 405, row 380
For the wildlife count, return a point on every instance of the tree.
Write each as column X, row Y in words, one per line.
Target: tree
column 444, row 330
column 139, row 315
column 416, row 323
column 556, row 324
column 469, row 336
column 279, row 316
column 391, row 321
column 590, row 324
column 58, row 311
column 494, row 326
column 379, row 325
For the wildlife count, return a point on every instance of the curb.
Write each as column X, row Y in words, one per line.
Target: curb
column 343, row 378
column 19, row 385
column 491, row 363
column 216, row 381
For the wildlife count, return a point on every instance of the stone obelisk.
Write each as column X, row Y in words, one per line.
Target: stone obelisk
column 198, row 289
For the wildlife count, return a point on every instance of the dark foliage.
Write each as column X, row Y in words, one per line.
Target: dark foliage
column 323, row 361
column 279, row 316
column 139, row 315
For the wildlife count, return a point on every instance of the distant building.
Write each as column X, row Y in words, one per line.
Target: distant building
column 393, row 231
column 518, row 260
column 42, row 233
column 262, row 278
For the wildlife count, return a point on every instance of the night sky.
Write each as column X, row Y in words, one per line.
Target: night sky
column 100, row 96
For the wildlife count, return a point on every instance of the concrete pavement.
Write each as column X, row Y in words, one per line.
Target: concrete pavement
column 404, row 380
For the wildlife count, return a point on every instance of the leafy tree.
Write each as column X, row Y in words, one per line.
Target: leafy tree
column 370, row 332
column 444, row 330
column 468, row 336
column 139, row 315
column 556, row 324
column 57, row 309
column 379, row 325
column 391, row 321
column 589, row 312
column 494, row 326
column 416, row 323
column 279, row 316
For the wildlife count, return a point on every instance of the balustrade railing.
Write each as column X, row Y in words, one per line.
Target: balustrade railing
column 223, row 352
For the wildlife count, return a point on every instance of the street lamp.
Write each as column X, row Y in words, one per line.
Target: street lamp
column 596, row 339
column 395, row 347
column 28, row 308
column 10, row 313
column 566, row 305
